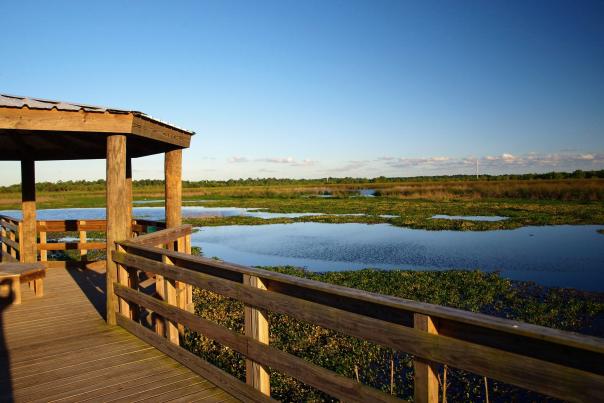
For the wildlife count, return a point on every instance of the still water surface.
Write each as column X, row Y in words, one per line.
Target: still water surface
column 562, row 255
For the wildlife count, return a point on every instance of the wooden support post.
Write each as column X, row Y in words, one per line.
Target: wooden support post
column 172, row 332
column 173, row 187
column 83, row 239
column 425, row 389
column 256, row 327
column 189, row 288
column 128, row 194
column 43, row 239
column 160, row 292
column 12, row 237
column 4, row 246
column 29, row 240
column 173, row 196
column 16, row 289
column 118, row 226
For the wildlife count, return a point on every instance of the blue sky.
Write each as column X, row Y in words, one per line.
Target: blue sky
column 325, row 88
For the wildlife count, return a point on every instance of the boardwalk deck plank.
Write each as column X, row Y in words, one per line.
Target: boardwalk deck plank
column 58, row 348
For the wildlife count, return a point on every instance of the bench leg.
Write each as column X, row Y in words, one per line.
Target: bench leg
column 39, row 287
column 16, row 288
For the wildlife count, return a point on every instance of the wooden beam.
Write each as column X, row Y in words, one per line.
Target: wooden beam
column 148, row 128
column 118, row 225
column 28, row 243
column 66, row 121
column 173, row 184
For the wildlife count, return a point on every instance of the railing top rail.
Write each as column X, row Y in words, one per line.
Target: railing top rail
column 9, row 218
column 319, row 292
column 161, row 237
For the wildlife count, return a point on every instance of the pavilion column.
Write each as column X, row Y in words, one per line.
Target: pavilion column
column 174, row 292
column 118, row 224
column 28, row 234
column 173, row 183
column 128, row 195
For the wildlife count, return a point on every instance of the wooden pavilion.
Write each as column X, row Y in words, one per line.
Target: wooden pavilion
column 63, row 345
column 41, row 130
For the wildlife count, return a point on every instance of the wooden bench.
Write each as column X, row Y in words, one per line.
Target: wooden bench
column 22, row 272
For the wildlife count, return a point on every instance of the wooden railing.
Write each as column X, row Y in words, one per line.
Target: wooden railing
column 10, row 230
column 83, row 245
column 556, row 363
column 11, row 240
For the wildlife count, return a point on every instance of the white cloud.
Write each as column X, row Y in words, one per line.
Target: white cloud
column 505, row 162
column 291, row 161
column 278, row 160
column 237, row 159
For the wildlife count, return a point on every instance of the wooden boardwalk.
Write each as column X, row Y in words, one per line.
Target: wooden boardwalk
column 58, row 348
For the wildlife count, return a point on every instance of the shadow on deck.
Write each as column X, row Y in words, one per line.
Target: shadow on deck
column 59, row 348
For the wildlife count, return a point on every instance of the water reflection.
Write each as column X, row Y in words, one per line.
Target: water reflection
column 564, row 255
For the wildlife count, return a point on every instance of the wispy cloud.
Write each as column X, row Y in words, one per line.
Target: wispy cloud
column 237, row 160
column 503, row 162
column 277, row 160
column 291, row 161
column 352, row 165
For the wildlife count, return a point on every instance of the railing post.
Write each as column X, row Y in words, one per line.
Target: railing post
column 83, row 239
column 43, row 239
column 170, row 297
column 160, row 293
column 128, row 277
column 256, row 327
column 425, row 389
column 189, row 288
column 3, row 234
column 12, row 237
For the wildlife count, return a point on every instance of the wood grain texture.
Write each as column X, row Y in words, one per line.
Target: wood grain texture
column 425, row 379
column 60, row 348
column 28, row 207
column 217, row 376
column 44, row 133
column 118, row 226
column 173, row 187
column 256, row 327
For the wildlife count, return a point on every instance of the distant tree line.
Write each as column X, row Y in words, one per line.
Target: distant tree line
column 84, row 185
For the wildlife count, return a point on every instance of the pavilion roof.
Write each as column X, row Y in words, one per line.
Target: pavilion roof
column 42, row 129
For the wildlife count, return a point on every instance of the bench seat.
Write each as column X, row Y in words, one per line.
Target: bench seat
column 17, row 273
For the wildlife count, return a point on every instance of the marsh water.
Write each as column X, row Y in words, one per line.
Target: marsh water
column 561, row 255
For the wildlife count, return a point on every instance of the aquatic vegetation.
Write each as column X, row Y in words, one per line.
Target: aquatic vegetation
column 412, row 213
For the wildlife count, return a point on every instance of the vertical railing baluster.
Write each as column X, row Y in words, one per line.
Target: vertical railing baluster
column 172, row 333
column 4, row 246
column 256, row 327
column 43, row 240
column 13, row 238
column 425, row 388
column 189, row 288
column 123, row 279
column 160, row 294
column 83, row 239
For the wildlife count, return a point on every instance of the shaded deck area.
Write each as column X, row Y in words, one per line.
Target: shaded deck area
column 59, row 348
